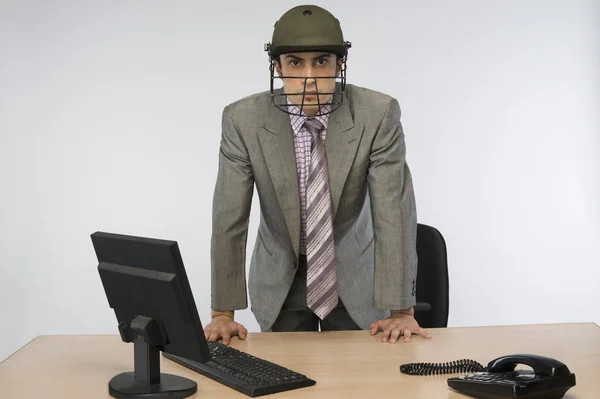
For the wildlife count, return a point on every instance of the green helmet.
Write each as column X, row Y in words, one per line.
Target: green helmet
column 307, row 28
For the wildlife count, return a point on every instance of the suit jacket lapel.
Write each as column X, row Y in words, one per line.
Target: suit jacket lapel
column 276, row 139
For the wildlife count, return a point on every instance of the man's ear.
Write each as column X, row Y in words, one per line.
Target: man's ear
column 339, row 66
column 277, row 67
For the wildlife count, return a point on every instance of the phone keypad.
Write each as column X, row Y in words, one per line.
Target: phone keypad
column 489, row 377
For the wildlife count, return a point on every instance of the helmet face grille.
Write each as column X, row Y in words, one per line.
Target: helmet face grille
column 280, row 99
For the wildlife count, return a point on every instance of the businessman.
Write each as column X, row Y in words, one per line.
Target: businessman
column 336, row 244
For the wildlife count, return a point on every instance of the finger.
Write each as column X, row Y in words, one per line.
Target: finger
column 386, row 335
column 214, row 335
column 394, row 336
column 424, row 333
column 375, row 328
column 242, row 332
column 407, row 334
column 226, row 338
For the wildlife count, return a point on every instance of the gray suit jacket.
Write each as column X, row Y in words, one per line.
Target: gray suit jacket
column 373, row 206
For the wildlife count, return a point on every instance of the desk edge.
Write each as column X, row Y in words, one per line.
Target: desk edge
column 15, row 352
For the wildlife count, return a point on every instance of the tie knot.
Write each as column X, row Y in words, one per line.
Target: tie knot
column 314, row 127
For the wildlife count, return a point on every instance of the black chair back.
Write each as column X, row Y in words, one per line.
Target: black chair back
column 432, row 289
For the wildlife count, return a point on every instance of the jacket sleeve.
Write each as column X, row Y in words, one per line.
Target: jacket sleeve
column 230, row 215
column 394, row 216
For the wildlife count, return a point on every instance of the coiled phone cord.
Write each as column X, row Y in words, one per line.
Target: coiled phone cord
column 459, row 366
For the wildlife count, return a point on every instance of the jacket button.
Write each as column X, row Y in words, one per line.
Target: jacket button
column 295, row 264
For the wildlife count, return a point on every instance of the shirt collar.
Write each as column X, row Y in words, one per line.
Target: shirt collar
column 298, row 118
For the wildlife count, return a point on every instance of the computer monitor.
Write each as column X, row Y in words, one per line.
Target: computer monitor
column 146, row 284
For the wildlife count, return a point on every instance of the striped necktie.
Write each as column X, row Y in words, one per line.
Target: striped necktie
column 321, row 279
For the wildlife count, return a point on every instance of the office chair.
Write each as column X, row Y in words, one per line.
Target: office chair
column 432, row 278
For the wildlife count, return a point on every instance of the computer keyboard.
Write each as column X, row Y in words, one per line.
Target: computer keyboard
column 243, row 372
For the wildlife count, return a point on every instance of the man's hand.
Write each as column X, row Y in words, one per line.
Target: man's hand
column 222, row 326
column 400, row 322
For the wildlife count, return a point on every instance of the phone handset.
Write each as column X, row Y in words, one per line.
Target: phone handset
column 541, row 365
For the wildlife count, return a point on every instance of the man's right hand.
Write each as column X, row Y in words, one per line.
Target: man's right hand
column 222, row 326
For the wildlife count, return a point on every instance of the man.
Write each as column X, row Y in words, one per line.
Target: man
column 336, row 245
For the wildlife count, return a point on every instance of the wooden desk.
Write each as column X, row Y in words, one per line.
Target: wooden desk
column 344, row 364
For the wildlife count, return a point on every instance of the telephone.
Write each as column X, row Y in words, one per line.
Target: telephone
column 549, row 379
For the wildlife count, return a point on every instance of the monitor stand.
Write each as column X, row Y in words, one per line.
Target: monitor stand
column 146, row 381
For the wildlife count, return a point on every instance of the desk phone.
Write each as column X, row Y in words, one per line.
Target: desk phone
column 548, row 379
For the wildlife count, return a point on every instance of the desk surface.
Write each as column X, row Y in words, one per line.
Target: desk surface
column 344, row 364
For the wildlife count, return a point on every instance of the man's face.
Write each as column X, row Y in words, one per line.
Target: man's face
column 320, row 68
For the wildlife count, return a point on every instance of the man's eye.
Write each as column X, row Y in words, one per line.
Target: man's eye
column 322, row 62
column 294, row 63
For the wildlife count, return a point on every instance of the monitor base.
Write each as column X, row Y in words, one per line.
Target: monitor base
column 124, row 386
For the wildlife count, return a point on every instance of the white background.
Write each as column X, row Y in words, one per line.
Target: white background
column 110, row 120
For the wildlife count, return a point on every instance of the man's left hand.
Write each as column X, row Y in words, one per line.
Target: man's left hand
column 400, row 322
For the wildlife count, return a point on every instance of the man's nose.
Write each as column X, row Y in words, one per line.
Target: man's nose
column 309, row 79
